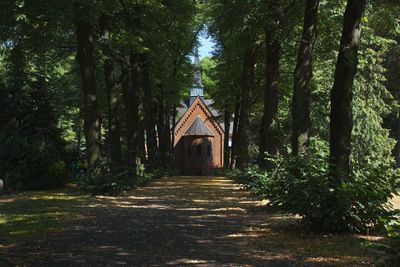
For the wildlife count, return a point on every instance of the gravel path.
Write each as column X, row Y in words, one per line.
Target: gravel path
column 202, row 221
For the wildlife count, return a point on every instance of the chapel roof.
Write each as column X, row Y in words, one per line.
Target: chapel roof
column 198, row 128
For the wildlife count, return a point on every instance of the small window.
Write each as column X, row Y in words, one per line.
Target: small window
column 199, row 150
column 209, row 150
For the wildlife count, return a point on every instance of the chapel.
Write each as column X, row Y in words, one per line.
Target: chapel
column 198, row 137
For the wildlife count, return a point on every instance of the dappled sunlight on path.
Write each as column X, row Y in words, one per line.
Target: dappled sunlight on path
column 183, row 221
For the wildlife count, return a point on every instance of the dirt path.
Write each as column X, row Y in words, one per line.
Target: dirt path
column 176, row 221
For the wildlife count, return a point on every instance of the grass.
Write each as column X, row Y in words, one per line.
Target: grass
column 30, row 214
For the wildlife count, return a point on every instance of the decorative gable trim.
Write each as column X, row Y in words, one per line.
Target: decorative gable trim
column 200, row 103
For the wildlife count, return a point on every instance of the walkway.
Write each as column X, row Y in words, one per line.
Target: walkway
column 199, row 221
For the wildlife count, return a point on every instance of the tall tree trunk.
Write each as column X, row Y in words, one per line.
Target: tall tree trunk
column 242, row 149
column 114, row 129
column 234, row 135
column 397, row 147
column 301, row 122
column 151, row 138
column 126, row 93
column 174, row 112
column 161, row 128
column 78, row 141
column 227, row 124
column 167, row 132
column 141, row 135
column 87, row 67
column 134, row 98
column 341, row 115
column 174, row 115
column 269, row 138
column 394, row 78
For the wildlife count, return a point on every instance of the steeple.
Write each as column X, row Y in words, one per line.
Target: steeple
column 197, row 86
column 197, row 58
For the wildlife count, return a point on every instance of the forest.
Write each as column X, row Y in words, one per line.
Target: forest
column 89, row 92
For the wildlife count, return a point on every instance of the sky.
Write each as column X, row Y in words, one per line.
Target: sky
column 206, row 46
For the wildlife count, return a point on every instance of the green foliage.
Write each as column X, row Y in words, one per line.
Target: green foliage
column 41, row 102
column 31, row 149
column 392, row 249
column 30, row 164
column 300, row 185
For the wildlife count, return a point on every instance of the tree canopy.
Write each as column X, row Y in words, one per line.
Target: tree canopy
column 309, row 88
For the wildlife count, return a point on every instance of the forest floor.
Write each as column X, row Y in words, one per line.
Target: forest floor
column 198, row 221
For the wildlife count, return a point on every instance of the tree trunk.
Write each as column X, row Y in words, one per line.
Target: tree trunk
column 161, row 128
column 269, row 137
column 174, row 111
column 301, row 122
column 78, row 141
column 151, row 138
column 87, row 67
column 397, row 147
column 242, row 149
column 141, row 135
column 234, row 135
column 174, row 115
column 134, row 99
column 341, row 115
column 126, row 92
column 167, row 131
column 114, row 129
column 227, row 124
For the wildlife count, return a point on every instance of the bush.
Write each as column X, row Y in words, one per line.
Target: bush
column 30, row 164
column 393, row 248
column 301, row 185
column 390, row 248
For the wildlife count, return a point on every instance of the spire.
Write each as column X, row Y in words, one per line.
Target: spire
column 197, row 80
column 197, row 86
column 197, row 58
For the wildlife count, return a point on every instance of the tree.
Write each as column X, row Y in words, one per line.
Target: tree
column 276, row 20
column 341, row 116
column 151, row 139
column 114, row 132
column 269, row 138
column 242, row 152
column 301, row 120
column 87, row 67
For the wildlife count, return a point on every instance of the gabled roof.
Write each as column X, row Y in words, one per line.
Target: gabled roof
column 183, row 107
column 198, row 106
column 198, row 128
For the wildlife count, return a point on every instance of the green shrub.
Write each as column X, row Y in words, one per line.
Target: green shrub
column 393, row 248
column 301, row 185
column 30, row 164
column 390, row 248
column 394, row 244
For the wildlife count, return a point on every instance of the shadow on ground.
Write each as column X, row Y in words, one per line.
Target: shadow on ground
column 180, row 221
